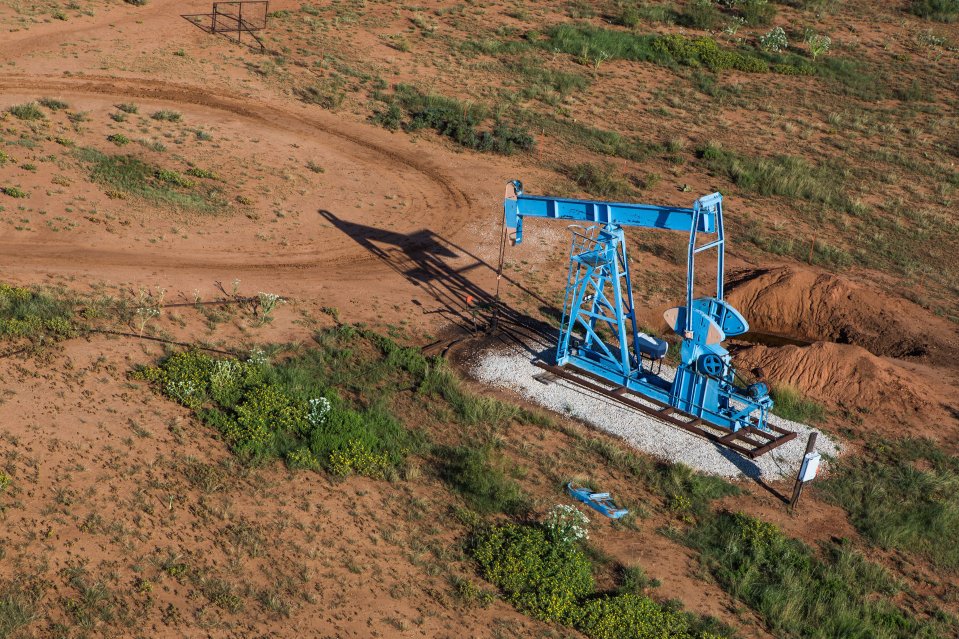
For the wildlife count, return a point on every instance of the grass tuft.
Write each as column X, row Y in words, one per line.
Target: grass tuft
column 902, row 495
column 801, row 594
column 789, row 403
column 29, row 111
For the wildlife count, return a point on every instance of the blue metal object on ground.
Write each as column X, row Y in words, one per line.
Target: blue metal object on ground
column 601, row 502
column 599, row 333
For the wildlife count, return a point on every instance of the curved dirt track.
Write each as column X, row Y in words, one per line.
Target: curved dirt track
column 438, row 191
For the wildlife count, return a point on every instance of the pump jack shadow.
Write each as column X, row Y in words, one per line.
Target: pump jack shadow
column 423, row 259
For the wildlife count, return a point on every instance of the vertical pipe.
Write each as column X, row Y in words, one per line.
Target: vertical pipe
column 616, row 236
column 691, row 269
column 721, row 255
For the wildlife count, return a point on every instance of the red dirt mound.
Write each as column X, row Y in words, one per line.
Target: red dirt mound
column 885, row 394
column 815, row 306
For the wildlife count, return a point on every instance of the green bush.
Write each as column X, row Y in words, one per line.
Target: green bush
column 553, row 581
column 119, row 139
column 269, row 411
column 542, row 578
column 902, row 495
column 940, row 10
column 14, row 191
column 128, row 107
column 29, row 111
column 799, row 594
column 629, row 615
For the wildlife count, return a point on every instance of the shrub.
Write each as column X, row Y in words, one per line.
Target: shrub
column 629, row 615
column 455, row 120
column 14, row 191
column 553, row 581
column 29, row 111
column 202, row 173
column 629, row 16
column 327, row 93
column 940, row 10
column 775, row 40
column 119, row 139
column 174, row 178
column 128, row 108
column 54, row 105
column 565, row 524
column 542, row 578
column 270, row 411
column 819, row 44
column 167, row 116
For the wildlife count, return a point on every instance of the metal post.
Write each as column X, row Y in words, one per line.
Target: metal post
column 797, row 489
column 213, row 28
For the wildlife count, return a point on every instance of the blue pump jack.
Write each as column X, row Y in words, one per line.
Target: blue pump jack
column 599, row 334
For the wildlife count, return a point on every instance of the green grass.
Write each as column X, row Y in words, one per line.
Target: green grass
column 166, row 115
column 14, row 192
column 470, row 125
column 128, row 107
column 480, row 476
column 785, row 176
column 130, row 175
column 902, row 495
column 18, row 607
column 791, row 404
column 592, row 45
column 32, row 314
column 600, row 180
column 939, row 10
column 119, row 139
column 801, row 594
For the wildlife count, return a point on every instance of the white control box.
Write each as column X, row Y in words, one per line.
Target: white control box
column 810, row 466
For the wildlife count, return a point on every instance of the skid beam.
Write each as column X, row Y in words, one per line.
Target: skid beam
column 750, row 441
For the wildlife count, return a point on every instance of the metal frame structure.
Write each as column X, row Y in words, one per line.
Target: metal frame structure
column 599, row 338
column 227, row 18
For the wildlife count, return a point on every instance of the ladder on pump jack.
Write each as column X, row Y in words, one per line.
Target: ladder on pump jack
column 600, row 346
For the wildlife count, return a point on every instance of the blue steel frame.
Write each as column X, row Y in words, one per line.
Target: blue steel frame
column 599, row 299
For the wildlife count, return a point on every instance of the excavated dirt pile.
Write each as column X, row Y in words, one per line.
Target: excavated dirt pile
column 885, row 394
column 821, row 307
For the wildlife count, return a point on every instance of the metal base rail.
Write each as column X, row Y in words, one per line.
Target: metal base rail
column 749, row 441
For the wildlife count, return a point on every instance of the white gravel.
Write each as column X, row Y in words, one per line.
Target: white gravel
column 512, row 368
